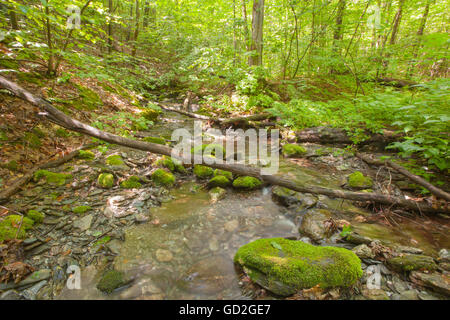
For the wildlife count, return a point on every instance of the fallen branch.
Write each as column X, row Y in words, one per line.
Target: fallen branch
column 414, row 178
column 60, row 118
column 18, row 183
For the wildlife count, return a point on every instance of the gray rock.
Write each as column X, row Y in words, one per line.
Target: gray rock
column 313, row 224
column 364, row 252
column 406, row 295
column 35, row 277
column 84, row 223
column 435, row 281
column 444, row 255
column 10, row 295
column 411, row 262
column 30, row 294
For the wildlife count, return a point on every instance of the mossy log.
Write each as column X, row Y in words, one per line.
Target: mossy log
column 54, row 115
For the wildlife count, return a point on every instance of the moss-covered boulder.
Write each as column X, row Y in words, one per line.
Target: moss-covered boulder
column 285, row 266
column 412, row 262
column 132, row 182
column 286, row 197
column 211, row 149
column 358, row 181
column 151, row 114
column 81, row 209
column 51, row 177
column 203, row 172
column 219, row 181
column 86, row 155
column 293, row 151
column 110, row 281
column 115, row 160
column 105, row 180
column 247, row 183
column 217, row 194
column 227, row 174
column 163, row 178
column 13, row 225
column 156, row 140
column 36, row 216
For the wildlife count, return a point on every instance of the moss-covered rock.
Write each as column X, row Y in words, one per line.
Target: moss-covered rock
column 51, row 177
column 163, row 178
column 115, row 160
column 227, row 174
column 151, row 114
column 219, row 181
column 156, row 140
column 9, row 227
column 203, row 172
column 172, row 164
column 131, row 183
column 293, row 151
column 110, row 281
column 286, row 197
column 36, row 216
column 285, row 266
column 358, row 181
column 247, row 183
column 81, row 209
column 217, row 194
column 86, row 155
column 412, row 262
column 105, row 180
column 210, row 148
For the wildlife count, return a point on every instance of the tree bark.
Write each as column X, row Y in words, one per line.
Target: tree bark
column 110, row 31
column 60, row 118
column 136, row 30
column 257, row 33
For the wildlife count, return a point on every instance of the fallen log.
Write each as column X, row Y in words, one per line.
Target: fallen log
column 327, row 135
column 414, row 178
column 18, row 183
column 237, row 121
column 396, row 83
column 60, row 118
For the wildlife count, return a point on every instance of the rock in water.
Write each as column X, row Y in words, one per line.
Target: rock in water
column 313, row 224
column 285, row 266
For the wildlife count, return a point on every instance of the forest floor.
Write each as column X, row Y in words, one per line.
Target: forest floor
column 179, row 242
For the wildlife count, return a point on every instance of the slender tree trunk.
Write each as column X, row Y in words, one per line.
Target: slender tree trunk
column 338, row 31
column 48, row 31
column 110, row 31
column 418, row 41
column 246, row 30
column 257, row 33
column 146, row 14
column 14, row 19
column 136, row 30
column 397, row 21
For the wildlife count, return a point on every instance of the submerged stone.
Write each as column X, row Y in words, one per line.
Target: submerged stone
column 110, row 281
column 217, row 194
column 285, row 266
column 286, row 197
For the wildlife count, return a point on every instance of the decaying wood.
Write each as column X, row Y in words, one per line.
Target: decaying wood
column 60, row 118
column 397, row 83
column 18, row 183
column 414, row 178
column 336, row 136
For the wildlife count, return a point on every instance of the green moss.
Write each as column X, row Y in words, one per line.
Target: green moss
column 155, row 140
column 151, row 114
column 81, row 209
column 12, row 165
column 226, row 174
column 105, row 180
column 36, row 216
column 52, row 177
column 358, row 180
column 219, row 181
column 293, row 150
column 30, row 77
column 110, row 281
column 87, row 100
column 203, row 172
column 3, row 136
column 298, row 265
column 412, row 262
column 33, row 140
column 163, row 178
column 86, row 155
column 200, row 150
column 172, row 164
column 115, row 160
column 62, row 133
column 131, row 183
column 10, row 224
column 247, row 183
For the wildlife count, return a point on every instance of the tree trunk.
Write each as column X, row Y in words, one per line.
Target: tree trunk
column 338, row 31
column 418, row 41
column 110, row 32
column 48, row 31
column 257, row 33
column 136, row 30
column 246, row 31
column 397, row 21
column 14, row 19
